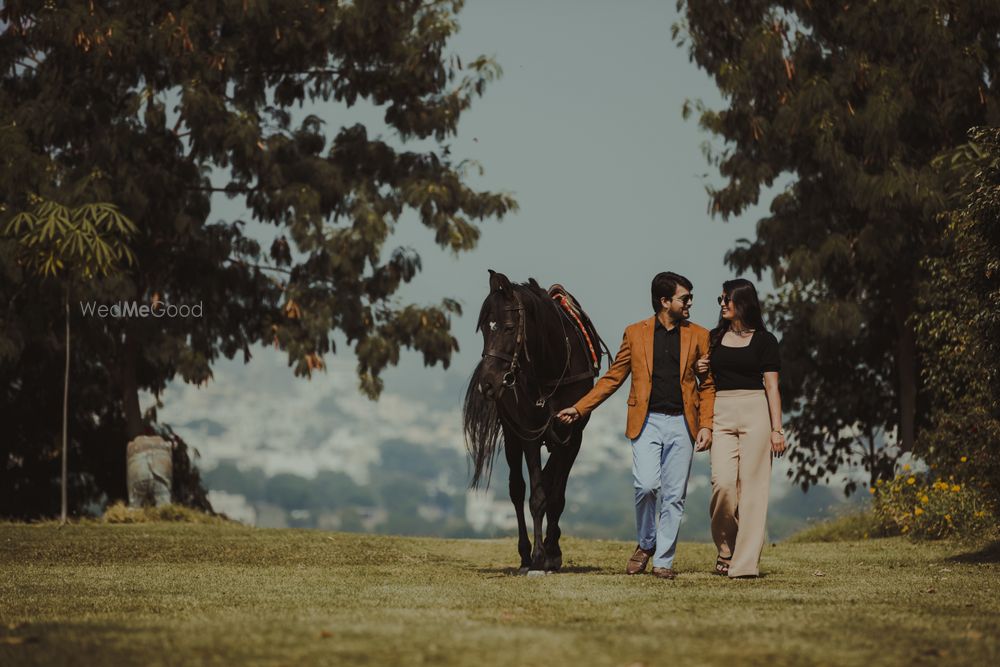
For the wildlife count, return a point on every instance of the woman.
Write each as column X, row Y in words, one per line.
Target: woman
column 744, row 363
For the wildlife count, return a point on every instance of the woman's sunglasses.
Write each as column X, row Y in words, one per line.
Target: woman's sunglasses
column 725, row 299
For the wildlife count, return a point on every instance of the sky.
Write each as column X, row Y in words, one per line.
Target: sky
column 585, row 130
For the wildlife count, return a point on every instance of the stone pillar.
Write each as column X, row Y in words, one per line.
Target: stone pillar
column 149, row 473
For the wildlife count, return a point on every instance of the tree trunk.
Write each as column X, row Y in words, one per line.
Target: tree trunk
column 873, row 468
column 906, row 370
column 65, row 430
column 130, row 387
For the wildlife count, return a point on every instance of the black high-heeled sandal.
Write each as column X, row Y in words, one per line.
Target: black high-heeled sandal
column 721, row 568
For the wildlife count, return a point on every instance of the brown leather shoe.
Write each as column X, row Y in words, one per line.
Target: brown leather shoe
column 637, row 563
column 664, row 573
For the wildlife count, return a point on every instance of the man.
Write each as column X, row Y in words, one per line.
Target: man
column 665, row 407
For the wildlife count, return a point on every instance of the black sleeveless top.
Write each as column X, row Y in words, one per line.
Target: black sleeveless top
column 744, row 367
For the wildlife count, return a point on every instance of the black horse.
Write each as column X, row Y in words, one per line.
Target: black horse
column 536, row 361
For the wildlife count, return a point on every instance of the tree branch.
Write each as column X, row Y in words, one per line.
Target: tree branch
column 262, row 267
column 303, row 72
column 227, row 190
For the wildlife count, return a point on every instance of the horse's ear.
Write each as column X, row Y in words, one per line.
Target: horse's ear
column 499, row 282
column 534, row 283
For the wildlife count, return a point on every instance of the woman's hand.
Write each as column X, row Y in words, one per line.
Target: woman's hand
column 777, row 443
column 701, row 366
column 704, row 440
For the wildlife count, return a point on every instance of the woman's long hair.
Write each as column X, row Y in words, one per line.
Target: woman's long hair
column 743, row 299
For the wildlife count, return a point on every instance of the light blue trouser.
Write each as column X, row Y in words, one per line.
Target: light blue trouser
column 661, row 463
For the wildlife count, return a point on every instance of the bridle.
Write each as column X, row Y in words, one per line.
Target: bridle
column 509, row 378
column 520, row 340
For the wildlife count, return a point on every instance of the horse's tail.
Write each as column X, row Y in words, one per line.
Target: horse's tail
column 481, row 423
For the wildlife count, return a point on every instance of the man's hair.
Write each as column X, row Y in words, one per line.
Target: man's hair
column 664, row 285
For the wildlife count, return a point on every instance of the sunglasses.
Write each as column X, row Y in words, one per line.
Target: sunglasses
column 725, row 299
column 685, row 299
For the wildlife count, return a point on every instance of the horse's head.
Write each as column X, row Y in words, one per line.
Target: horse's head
column 502, row 322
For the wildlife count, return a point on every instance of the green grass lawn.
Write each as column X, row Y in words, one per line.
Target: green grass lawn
column 172, row 594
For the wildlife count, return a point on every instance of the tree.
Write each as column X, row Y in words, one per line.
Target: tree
column 849, row 103
column 957, row 320
column 72, row 245
column 157, row 107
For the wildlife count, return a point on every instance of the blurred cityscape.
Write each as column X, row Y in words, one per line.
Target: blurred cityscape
column 278, row 451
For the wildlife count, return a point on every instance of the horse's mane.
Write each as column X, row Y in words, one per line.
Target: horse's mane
column 531, row 294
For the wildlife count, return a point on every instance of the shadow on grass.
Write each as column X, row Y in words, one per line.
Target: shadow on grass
column 514, row 572
column 581, row 569
column 988, row 554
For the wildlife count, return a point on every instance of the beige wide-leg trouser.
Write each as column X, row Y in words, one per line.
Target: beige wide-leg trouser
column 741, row 476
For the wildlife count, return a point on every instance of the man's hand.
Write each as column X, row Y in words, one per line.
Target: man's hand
column 568, row 415
column 704, row 440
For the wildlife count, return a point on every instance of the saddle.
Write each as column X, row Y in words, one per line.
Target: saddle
column 571, row 306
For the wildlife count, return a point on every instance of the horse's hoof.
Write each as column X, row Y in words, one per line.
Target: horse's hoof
column 537, row 573
column 523, row 571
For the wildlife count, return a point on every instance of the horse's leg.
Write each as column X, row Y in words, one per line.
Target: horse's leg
column 556, row 475
column 513, row 451
column 536, row 503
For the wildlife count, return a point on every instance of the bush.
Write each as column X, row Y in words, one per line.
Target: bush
column 956, row 323
column 922, row 506
column 122, row 513
column 847, row 528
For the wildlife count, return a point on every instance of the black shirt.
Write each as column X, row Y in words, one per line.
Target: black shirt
column 665, row 394
column 744, row 367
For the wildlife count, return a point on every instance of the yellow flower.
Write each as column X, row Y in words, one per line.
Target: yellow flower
column 912, row 480
column 924, row 499
column 956, row 488
column 964, row 459
column 947, row 517
column 906, row 467
column 871, row 490
column 878, row 482
column 917, row 511
column 905, row 528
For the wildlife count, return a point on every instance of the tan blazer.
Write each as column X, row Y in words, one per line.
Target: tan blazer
column 636, row 357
